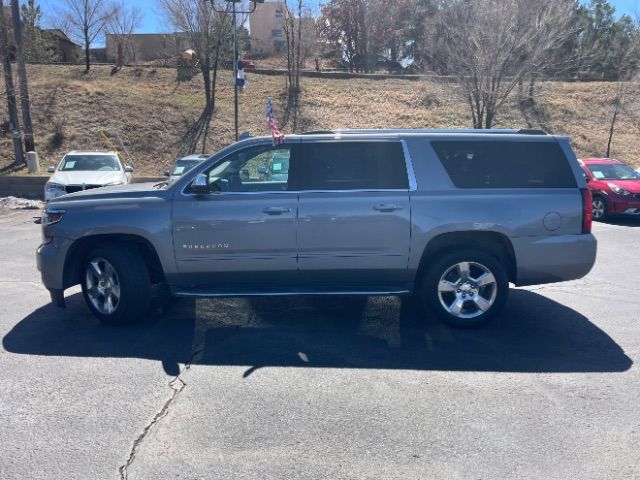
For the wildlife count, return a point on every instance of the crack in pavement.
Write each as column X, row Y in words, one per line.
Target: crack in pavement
column 177, row 384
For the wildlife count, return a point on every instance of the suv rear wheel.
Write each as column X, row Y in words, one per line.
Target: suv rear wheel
column 116, row 284
column 466, row 288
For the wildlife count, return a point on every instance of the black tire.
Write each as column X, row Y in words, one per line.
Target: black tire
column 445, row 265
column 134, row 283
column 602, row 209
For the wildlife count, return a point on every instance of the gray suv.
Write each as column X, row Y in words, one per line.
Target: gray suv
column 450, row 216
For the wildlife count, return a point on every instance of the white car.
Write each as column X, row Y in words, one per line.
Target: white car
column 184, row 164
column 84, row 170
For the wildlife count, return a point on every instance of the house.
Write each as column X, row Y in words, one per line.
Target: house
column 266, row 27
column 144, row 47
column 64, row 49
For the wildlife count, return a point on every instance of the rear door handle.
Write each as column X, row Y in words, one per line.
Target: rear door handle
column 276, row 210
column 387, row 207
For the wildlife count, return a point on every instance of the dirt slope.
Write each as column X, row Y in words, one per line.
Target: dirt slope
column 150, row 112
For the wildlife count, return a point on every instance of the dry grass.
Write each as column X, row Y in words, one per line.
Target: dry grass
column 151, row 111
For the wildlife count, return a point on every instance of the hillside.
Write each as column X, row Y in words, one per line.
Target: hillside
column 150, row 111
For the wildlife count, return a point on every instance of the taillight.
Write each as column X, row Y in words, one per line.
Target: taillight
column 587, row 210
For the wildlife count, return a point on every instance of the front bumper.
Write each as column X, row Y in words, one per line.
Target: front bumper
column 624, row 204
column 51, row 194
column 50, row 263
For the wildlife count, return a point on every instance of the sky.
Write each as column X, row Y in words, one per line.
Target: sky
column 153, row 20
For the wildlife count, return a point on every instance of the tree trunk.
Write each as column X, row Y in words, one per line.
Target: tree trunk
column 29, row 140
column 14, row 123
column 87, row 60
column 616, row 109
column 532, row 88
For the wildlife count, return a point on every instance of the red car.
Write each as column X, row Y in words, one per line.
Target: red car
column 615, row 187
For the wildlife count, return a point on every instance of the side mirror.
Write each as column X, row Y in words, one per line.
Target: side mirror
column 167, row 173
column 200, row 185
column 51, row 170
column 262, row 169
column 128, row 169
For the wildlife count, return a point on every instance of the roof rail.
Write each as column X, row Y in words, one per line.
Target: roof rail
column 361, row 131
column 364, row 131
column 531, row 131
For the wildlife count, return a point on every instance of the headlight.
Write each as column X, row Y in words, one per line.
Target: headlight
column 618, row 190
column 54, row 186
column 117, row 182
column 51, row 216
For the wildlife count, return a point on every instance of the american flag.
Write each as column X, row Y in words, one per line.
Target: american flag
column 278, row 136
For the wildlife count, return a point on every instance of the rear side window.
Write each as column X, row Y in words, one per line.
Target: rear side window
column 353, row 166
column 504, row 164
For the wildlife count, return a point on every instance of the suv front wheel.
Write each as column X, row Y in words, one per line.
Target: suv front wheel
column 116, row 284
column 466, row 288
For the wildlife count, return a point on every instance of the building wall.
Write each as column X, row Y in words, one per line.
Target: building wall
column 266, row 28
column 141, row 47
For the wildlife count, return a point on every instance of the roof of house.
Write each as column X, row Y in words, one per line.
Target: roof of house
column 60, row 34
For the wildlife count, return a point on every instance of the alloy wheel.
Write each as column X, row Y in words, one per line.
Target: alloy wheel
column 467, row 290
column 102, row 286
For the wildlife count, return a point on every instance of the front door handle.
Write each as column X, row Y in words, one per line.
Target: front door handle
column 276, row 210
column 387, row 207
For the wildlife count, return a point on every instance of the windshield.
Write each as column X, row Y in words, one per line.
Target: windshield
column 102, row 163
column 183, row 166
column 613, row 171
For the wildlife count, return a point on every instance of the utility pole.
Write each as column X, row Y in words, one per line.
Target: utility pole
column 14, row 123
column 235, row 70
column 235, row 11
column 29, row 140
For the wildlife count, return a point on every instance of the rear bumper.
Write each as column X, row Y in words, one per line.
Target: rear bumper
column 553, row 259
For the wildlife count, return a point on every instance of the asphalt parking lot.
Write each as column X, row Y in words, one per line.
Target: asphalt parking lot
column 323, row 387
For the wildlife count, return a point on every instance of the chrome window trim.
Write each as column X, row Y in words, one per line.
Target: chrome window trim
column 411, row 176
column 297, row 192
column 413, row 184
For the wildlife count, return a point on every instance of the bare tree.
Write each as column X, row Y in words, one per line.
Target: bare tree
column 293, row 23
column 343, row 25
column 490, row 46
column 85, row 21
column 208, row 32
column 626, row 70
column 123, row 22
column 14, row 122
column 25, row 101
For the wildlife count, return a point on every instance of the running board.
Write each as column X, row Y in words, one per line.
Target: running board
column 205, row 294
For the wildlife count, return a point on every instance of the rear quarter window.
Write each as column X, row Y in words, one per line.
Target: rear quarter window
column 504, row 164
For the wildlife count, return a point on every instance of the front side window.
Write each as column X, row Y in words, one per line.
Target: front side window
column 353, row 166
column 102, row 163
column 505, row 164
column 254, row 169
